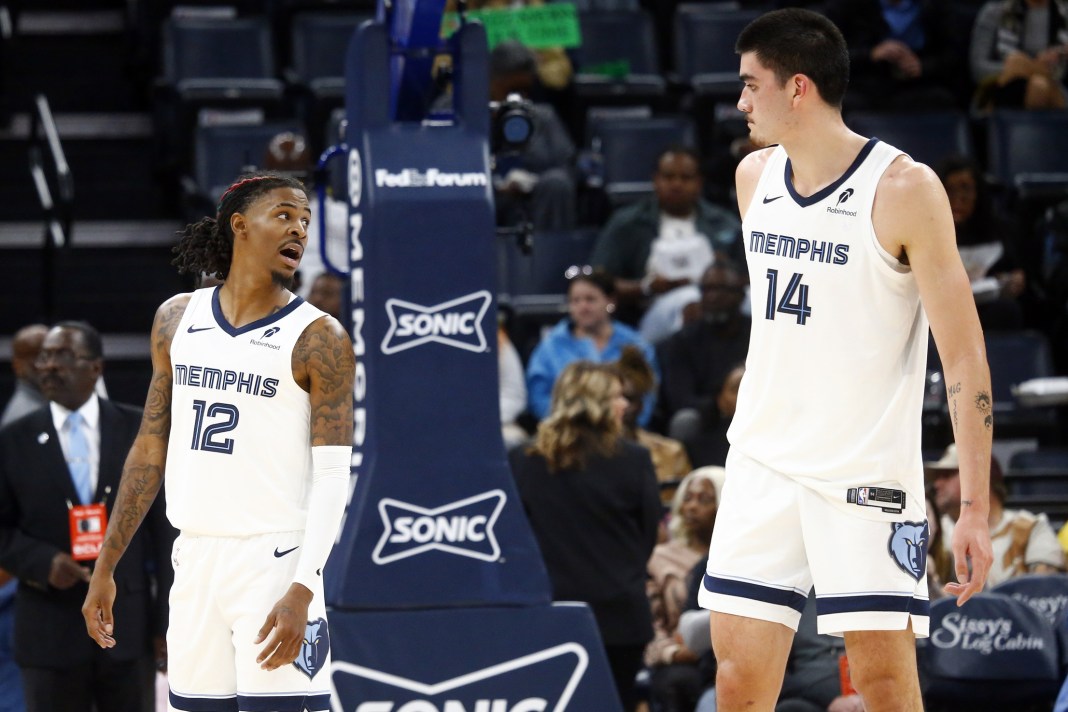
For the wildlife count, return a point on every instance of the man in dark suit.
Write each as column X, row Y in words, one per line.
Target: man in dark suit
column 56, row 464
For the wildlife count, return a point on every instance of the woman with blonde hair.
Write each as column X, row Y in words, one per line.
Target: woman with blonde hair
column 677, row 680
column 593, row 504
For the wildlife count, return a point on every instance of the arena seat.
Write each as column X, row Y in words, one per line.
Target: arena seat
column 992, row 653
column 630, row 147
column 927, row 137
column 624, row 38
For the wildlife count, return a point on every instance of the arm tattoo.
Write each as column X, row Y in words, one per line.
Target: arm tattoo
column 965, row 503
column 985, row 405
column 326, row 353
column 953, row 391
column 142, row 475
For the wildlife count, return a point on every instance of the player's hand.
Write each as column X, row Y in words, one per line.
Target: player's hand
column 99, row 621
column 972, row 555
column 159, row 651
column 888, row 51
column 65, row 572
column 286, row 624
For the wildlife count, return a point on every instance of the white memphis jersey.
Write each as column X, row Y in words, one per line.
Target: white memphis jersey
column 833, row 389
column 239, row 455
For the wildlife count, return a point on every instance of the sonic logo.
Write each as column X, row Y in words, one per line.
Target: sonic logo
column 543, row 681
column 908, row 547
column 456, row 323
column 464, row 528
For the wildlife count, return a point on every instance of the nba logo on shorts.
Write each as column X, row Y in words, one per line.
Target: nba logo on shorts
column 314, row 649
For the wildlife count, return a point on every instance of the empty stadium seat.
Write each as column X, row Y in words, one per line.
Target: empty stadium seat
column 1037, row 480
column 630, row 147
column 1028, row 152
column 1015, row 357
column 221, row 153
column 704, row 47
column 926, row 137
column 320, row 42
column 220, row 60
column 618, row 56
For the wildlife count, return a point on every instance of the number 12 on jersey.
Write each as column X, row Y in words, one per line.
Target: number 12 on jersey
column 205, row 436
column 787, row 304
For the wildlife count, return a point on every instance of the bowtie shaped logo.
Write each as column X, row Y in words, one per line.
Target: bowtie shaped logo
column 464, row 528
column 543, row 681
column 456, row 323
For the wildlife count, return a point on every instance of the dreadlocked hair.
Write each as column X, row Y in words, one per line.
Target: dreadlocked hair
column 580, row 421
column 207, row 245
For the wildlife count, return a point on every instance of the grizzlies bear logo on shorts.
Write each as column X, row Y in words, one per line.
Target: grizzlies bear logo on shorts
column 315, row 648
column 908, row 547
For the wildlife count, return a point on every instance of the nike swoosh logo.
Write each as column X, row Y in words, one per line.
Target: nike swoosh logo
column 279, row 554
column 771, row 200
column 193, row 330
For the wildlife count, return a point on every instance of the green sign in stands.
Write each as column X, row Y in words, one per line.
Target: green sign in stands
column 538, row 27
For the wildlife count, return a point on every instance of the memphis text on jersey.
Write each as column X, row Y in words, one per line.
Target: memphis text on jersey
column 218, row 379
column 798, row 248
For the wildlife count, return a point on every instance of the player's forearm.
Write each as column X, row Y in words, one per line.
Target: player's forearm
column 326, row 508
column 142, row 477
column 971, row 411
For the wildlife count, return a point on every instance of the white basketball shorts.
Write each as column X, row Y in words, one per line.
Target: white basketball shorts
column 775, row 539
column 224, row 587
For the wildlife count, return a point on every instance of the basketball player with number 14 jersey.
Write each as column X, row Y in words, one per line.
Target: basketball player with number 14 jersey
column 850, row 249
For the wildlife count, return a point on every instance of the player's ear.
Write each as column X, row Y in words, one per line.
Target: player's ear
column 238, row 224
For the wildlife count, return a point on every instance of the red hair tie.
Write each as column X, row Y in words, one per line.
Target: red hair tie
column 234, row 187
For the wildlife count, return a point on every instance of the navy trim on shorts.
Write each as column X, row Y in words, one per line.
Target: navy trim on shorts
column 873, row 602
column 283, row 703
column 203, row 704
column 754, row 591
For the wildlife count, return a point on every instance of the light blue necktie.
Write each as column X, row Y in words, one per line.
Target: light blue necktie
column 78, row 457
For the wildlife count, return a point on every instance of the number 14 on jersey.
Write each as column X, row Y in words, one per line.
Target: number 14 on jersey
column 794, row 299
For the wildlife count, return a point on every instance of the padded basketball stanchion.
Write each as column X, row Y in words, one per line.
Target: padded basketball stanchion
column 438, row 596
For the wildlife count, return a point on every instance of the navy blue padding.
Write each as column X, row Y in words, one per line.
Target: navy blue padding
column 927, row 137
column 435, row 520
column 1047, row 594
column 992, row 652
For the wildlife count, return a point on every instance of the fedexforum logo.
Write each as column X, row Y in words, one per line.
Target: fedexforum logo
column 430, row 178
column 464, row 528
column 457, row 322
column 843, row 197
column 544, row 681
